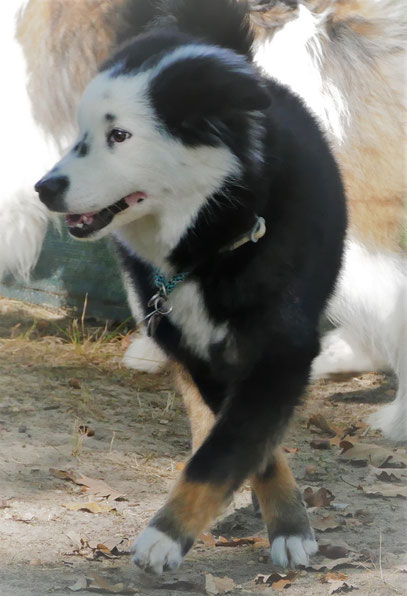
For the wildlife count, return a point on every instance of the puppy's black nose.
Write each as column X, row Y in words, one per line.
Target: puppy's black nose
column 51, row 190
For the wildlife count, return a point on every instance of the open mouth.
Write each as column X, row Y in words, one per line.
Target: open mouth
column 85, row 224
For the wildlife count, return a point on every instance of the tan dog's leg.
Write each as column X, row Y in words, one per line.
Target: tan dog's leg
column 201, row 417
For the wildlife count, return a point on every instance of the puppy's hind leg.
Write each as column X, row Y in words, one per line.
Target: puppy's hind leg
column 292, row 539
column 201, row 417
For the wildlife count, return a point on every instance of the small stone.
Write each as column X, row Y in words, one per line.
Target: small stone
column 35, row 562
column 22, row 428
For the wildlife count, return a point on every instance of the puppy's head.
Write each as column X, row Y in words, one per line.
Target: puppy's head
column 164, row 121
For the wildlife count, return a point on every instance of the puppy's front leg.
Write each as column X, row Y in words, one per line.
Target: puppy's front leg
column 171, row 533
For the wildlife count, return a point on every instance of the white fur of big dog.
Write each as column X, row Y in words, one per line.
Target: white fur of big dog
column 23, row 219
column 355, row 85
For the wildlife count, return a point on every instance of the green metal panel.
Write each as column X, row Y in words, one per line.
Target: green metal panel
column 67, row 270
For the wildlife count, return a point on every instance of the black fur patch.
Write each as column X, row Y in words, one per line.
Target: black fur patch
column 82, row 148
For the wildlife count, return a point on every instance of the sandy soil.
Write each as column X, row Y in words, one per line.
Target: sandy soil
column 53, row 388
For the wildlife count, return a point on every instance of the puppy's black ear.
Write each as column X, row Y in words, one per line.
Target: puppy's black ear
column 244, row 92
column 211, row 83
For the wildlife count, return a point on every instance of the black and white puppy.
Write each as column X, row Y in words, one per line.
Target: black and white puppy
column 186, row 154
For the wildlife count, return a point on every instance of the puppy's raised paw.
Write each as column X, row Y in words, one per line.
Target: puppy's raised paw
column 155, row 551
column 292, row 551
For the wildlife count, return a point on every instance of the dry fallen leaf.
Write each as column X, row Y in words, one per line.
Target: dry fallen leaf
column 321, row 422
column 91, row 486
column 100, row 585
column 320, row 498
column 341, row 587
column 218, row 585
column 378, row 457
column 388, row 474
column 324, row 523
column 89, row 507
column 207, row 539
column 355, row 429
column 329, row 564
column 278, row 581
column 335, row 575
column 383, row 489
column 111, row 545
column 74, row 383
column 63, row 474
column 345, row 445
column 111, row 548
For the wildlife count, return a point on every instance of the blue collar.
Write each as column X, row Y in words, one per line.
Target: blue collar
column 167, row 286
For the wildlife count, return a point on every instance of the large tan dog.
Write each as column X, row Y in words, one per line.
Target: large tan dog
column 345, row 58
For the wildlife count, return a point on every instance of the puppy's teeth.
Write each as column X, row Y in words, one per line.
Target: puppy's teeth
column 79, row 225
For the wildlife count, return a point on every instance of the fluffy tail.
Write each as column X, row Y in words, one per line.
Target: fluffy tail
column 222, row 22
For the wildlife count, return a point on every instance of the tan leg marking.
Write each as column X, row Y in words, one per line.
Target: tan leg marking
column 194, row 505
column 276, row 491
column 201, row 417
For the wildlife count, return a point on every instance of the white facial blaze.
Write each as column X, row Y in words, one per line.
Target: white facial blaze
column 177, row 179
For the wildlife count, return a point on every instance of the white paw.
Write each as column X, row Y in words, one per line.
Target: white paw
column 391, row 420
column 342, row 354
column 144, row 355
column 155, row 551
column 291, row 551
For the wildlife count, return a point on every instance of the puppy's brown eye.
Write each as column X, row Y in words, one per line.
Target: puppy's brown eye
column 117, row 135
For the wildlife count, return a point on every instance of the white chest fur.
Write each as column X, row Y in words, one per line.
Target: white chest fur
column 191, row 316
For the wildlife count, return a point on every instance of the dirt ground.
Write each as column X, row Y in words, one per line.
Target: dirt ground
column 70, row 414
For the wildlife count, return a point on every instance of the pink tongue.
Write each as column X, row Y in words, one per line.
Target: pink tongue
column 135, row 197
